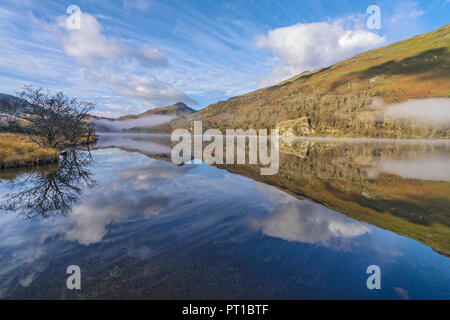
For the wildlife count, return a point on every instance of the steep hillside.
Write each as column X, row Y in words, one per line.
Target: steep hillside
column 344, row 99
column 10, row 104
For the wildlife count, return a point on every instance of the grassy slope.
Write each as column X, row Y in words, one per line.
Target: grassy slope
column 179, row 111
column 338, row 99
column 18, row 150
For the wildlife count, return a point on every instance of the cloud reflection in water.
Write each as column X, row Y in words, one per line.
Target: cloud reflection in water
column 304, row 221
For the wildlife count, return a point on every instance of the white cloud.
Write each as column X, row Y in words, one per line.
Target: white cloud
column 140, row 5
column 147, row 90
column 308, row 46
column 88, row 45
column 406, row 10
column 150, row 57
column 124, row 69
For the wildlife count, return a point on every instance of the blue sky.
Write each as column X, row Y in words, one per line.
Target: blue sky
column 130, row 56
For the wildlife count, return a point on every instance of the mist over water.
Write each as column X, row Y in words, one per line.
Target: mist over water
column 119, row 125
column 433, row 110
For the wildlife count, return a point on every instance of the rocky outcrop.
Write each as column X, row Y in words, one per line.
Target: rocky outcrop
column 295, row 128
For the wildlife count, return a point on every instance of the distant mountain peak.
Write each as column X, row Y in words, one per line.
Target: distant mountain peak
column 181, row 105
column 178, row 109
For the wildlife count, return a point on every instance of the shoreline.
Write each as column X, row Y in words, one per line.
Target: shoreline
column 18, row 151
column 310, row 138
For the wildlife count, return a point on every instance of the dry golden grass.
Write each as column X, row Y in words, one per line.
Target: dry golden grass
column 18, row 150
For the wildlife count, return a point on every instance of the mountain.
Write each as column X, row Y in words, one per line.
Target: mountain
column 154, row 120
column 157, row 120
column 350, row 98
column 178, row 109
column 10, row 104
column 356, row 97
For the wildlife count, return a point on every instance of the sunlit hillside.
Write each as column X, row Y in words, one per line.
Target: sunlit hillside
column 349, row 97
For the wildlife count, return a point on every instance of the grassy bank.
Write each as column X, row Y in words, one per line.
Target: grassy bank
column 18, row 150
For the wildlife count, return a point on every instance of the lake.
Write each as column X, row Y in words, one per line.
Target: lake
column 139, row 226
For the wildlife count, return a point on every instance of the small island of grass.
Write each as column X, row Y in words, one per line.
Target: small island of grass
column 18, row 150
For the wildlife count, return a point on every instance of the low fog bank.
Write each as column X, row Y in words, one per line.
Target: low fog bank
column 119, row 125
column 433, row 110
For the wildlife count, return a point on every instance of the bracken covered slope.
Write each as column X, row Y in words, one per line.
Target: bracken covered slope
column 340, row 100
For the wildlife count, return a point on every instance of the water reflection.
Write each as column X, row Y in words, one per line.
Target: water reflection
column 428, row 169
column 51, row 190
column 307, row 222
column 157, row 146
column 412, row 159
column 128, row 194
column 398, row 185
column 150, row 229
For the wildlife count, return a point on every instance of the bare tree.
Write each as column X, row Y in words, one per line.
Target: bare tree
column 55, row 119
column 50, row 192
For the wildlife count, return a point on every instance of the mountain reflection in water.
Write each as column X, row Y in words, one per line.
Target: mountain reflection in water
column 140, row 227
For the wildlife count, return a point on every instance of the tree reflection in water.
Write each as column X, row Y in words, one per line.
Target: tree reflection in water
column 52, row 191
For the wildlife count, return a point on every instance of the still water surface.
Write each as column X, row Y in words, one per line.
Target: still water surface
column 140, row 227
